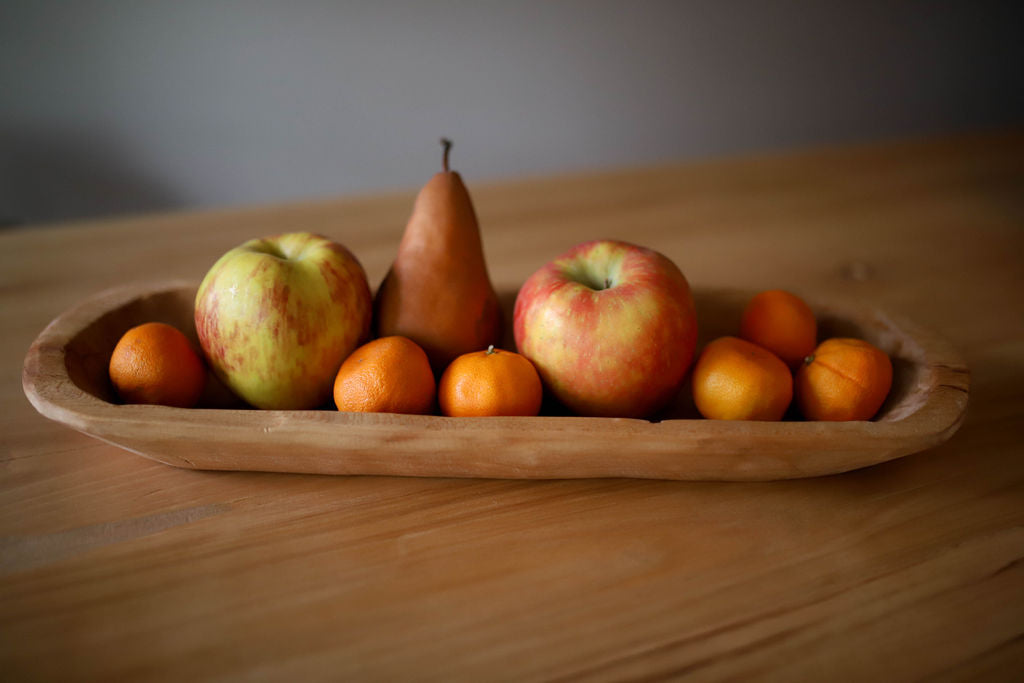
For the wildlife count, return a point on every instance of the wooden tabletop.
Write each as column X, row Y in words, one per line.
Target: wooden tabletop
column 114, row 567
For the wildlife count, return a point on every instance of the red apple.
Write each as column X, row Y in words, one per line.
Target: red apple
column 277, row 316
column 610, row 326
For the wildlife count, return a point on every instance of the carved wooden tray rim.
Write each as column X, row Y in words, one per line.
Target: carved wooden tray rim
column 64, row 372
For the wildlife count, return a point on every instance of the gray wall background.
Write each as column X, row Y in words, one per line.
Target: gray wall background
column 118, row 106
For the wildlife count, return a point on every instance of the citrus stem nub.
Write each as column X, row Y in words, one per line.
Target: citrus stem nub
column 809, row 359
column 447, row 144
column 490, row 349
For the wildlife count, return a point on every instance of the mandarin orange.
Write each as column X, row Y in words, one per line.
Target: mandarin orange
column 734, row 379
column 844, row 379
column 491, row 382
column 781, row 322
column 155, row 363
column 387, row 375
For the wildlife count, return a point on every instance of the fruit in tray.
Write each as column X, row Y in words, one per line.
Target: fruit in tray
column 277, row 316
column 735, row 379
column 489, row 383
column 610, row 326
column 843, row 379
column 387, row 375
column 155, row 363
column 438, row 292
column 781, row 322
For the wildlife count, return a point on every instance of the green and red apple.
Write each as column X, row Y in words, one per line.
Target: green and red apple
column 610, row 326
column 277, row 316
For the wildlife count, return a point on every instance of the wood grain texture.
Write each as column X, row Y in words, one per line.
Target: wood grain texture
column 66, row 378
column 115, row 567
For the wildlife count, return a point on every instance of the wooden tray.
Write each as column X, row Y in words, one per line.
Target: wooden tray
column 65, row 378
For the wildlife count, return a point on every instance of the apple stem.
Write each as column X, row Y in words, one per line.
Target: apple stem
column 607, row 283
column 447, row 144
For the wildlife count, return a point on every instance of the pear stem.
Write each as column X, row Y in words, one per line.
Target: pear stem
column 447, row 144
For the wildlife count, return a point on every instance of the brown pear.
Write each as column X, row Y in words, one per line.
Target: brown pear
column 438, row 292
